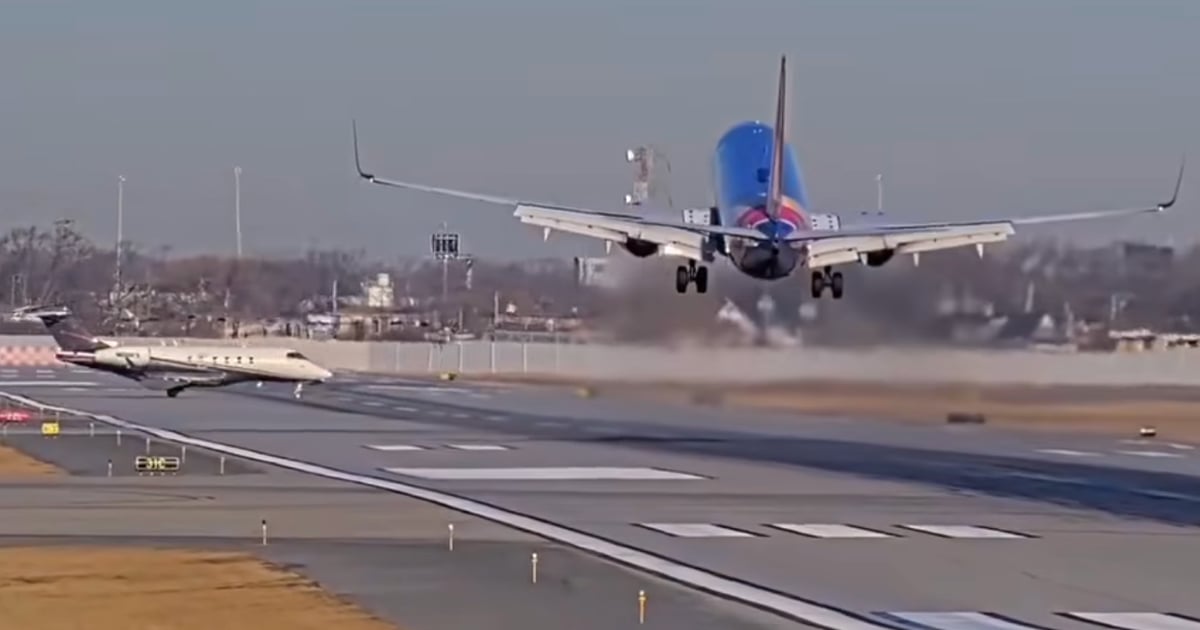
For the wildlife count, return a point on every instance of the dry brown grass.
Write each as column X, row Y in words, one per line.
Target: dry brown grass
column 1175, row 412
column 60, row 588
column 14, row 463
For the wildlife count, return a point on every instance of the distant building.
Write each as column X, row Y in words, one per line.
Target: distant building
column 380, row 293
column 1142, row 258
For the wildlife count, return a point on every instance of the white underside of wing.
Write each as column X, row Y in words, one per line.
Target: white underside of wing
column 675, row 241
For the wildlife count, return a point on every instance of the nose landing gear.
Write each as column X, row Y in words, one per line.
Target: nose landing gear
column 827, row 278
column 685, row 275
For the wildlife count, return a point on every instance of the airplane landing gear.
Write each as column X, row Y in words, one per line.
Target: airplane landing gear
column 827, row 278
column 685, row 275
column 173, row 392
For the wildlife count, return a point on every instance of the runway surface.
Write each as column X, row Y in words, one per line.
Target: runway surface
column 898, row 525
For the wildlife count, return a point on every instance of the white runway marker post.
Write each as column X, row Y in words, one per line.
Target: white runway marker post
column 264, row 531
column 118, row 437
column 147, row 445
column 533, row 567
column 91, row 429
column 450, row 542
column 222, row 471
column 183, row 454
column 641, row 607
column 110, row 468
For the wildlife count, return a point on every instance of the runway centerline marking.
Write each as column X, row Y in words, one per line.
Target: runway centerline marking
column 715, row 583
column 478, row 447
column 1137, row 620
column 566, row 473
column 831, row 530
column 1067, row 452
column 965, row 531
column 395, row 447
column 697, row 530
column 1150, row 453
column 951, row 621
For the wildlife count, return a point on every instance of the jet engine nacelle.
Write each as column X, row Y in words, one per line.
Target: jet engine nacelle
column 640, row 248
column 879, row 257
column 129, row 358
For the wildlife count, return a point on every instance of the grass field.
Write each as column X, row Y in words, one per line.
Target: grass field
column 99, row 588
column 13, row 463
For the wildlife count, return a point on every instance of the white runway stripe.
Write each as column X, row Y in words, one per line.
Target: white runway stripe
column 1138, row 620
column 963, row 531
column 478, row 447
column 48, row 383
column 395, row 447
column 951, row 621
column 1066, row 452
column 1150, row 453
column 697, row 530
column 568, row 473
column 832, row 530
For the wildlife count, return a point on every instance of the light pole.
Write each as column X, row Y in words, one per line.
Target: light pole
column 237, row 207
column 120, row 226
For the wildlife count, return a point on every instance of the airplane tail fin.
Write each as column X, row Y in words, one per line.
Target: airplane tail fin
column 67, row 332
column 775, row 193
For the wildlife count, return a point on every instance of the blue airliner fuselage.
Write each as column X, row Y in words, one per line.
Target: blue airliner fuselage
column 741, row 179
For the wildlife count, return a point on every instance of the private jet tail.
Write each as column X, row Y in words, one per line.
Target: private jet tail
column 67, row 332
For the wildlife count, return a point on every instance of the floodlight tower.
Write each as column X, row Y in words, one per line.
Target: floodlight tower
column 646, row 182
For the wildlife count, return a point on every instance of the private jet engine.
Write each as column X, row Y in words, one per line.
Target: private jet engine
column 878, row 258
column 640, row 248
column 127, row 358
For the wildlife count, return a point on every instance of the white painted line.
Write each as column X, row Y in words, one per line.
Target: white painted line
column 697, row 530
column 963, row 531
column 951, row 621
column 44, row 371
column 479, row 395
column 1031, row 476
column 496, row 418
column 566, row 473
column 1165, row 494
column 406, row 409
column 50, row 384
column 395, row 447
column 461, row 415
column 373, row 403
column 478, row 447
column 833, row 530
column 1137, row 620
column 1150, row 453
column 75, row 389
column 1066, row 452
column 782, row 604
column 1181, row 447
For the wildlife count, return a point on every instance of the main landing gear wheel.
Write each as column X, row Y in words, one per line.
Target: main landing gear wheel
column 827, row 278
column 685, row 275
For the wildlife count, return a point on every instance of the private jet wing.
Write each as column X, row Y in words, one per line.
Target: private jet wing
column 823, row 247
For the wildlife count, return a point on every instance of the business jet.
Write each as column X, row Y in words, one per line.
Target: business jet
column 178, row 367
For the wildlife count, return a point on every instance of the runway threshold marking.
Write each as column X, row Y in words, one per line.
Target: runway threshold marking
column 478, row 447
column 965, row 531
column 830, row 530
column 1137, row 620
column 697, row 530
column 951, row 621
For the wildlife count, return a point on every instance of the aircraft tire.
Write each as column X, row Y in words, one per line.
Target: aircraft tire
column 818, row 284
column 702, row 280
column 837, row 285
column 682, row 278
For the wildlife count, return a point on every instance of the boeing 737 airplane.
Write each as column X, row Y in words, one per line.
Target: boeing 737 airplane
column 761, row 220
column 177, row 367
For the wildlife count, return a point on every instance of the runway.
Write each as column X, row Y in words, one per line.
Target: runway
column 895, row 525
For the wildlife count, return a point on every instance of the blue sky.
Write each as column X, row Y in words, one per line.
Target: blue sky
column 968, row 108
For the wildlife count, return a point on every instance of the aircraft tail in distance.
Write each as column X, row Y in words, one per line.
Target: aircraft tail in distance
column 66, row 330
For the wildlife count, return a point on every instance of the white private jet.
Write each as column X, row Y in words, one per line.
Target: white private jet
column 178, row 367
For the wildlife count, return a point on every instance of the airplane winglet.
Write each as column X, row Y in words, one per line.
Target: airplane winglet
column 357, row 162
column 1178, row 185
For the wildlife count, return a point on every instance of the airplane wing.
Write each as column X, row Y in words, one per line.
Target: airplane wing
column 823, row 247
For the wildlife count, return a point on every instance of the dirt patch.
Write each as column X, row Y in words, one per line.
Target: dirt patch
column 14, row 463
column 121, row 588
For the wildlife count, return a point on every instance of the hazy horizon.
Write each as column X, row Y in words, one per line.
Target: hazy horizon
column 968, row 109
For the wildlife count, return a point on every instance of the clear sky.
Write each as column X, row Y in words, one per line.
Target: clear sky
column 968, row 108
